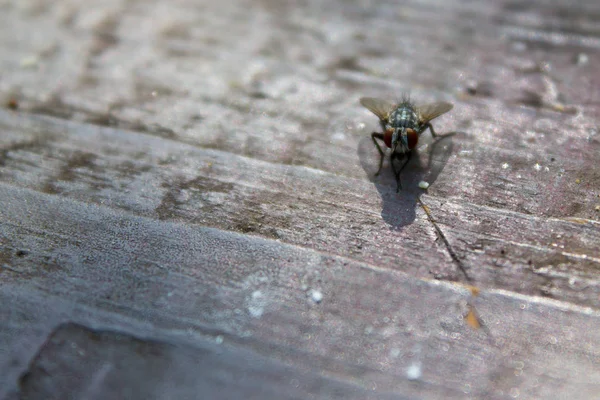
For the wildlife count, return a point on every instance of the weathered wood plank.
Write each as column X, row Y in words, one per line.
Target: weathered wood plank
column 292, row 98
column 374, row 327
column 243, row 116
column 167, row 180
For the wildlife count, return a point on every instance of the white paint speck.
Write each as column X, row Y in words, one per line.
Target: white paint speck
column 256, row 304
column 505, row 166
column 423, row 185
column 414, row 371
column 29, row 62
column 316, row 296
column 338, row 137
column 582, row 59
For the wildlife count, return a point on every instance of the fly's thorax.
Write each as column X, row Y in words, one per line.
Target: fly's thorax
column 404, row 117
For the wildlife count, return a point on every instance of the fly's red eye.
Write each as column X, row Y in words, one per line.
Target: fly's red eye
column 412, row 138
column 387, row 137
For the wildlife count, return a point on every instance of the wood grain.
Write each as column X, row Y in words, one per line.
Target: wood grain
column 190, row 178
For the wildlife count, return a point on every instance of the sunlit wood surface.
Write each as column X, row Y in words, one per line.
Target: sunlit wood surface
column 188, row 207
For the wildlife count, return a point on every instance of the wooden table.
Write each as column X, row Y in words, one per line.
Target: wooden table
column 188, row 207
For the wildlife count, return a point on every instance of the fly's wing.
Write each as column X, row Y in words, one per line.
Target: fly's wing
column 379, row 107
column 427, row 112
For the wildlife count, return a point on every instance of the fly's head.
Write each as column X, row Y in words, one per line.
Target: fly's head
column 400, row 140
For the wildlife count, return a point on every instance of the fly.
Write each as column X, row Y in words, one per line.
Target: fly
column 402, row 124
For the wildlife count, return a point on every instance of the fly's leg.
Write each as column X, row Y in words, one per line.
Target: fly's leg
column 435, row 135
column 428, row 125
column 379, row 136
column 397, row 173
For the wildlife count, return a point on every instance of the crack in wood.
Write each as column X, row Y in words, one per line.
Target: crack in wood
column 451, row 251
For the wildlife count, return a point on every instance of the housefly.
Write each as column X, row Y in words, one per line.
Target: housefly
column 402, row 124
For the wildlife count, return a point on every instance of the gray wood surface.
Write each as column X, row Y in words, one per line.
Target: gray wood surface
column 189, row 207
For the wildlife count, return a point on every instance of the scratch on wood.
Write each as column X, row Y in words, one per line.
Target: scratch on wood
column 451, row 251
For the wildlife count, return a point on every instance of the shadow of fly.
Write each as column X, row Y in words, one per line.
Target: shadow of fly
column 402, row 124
